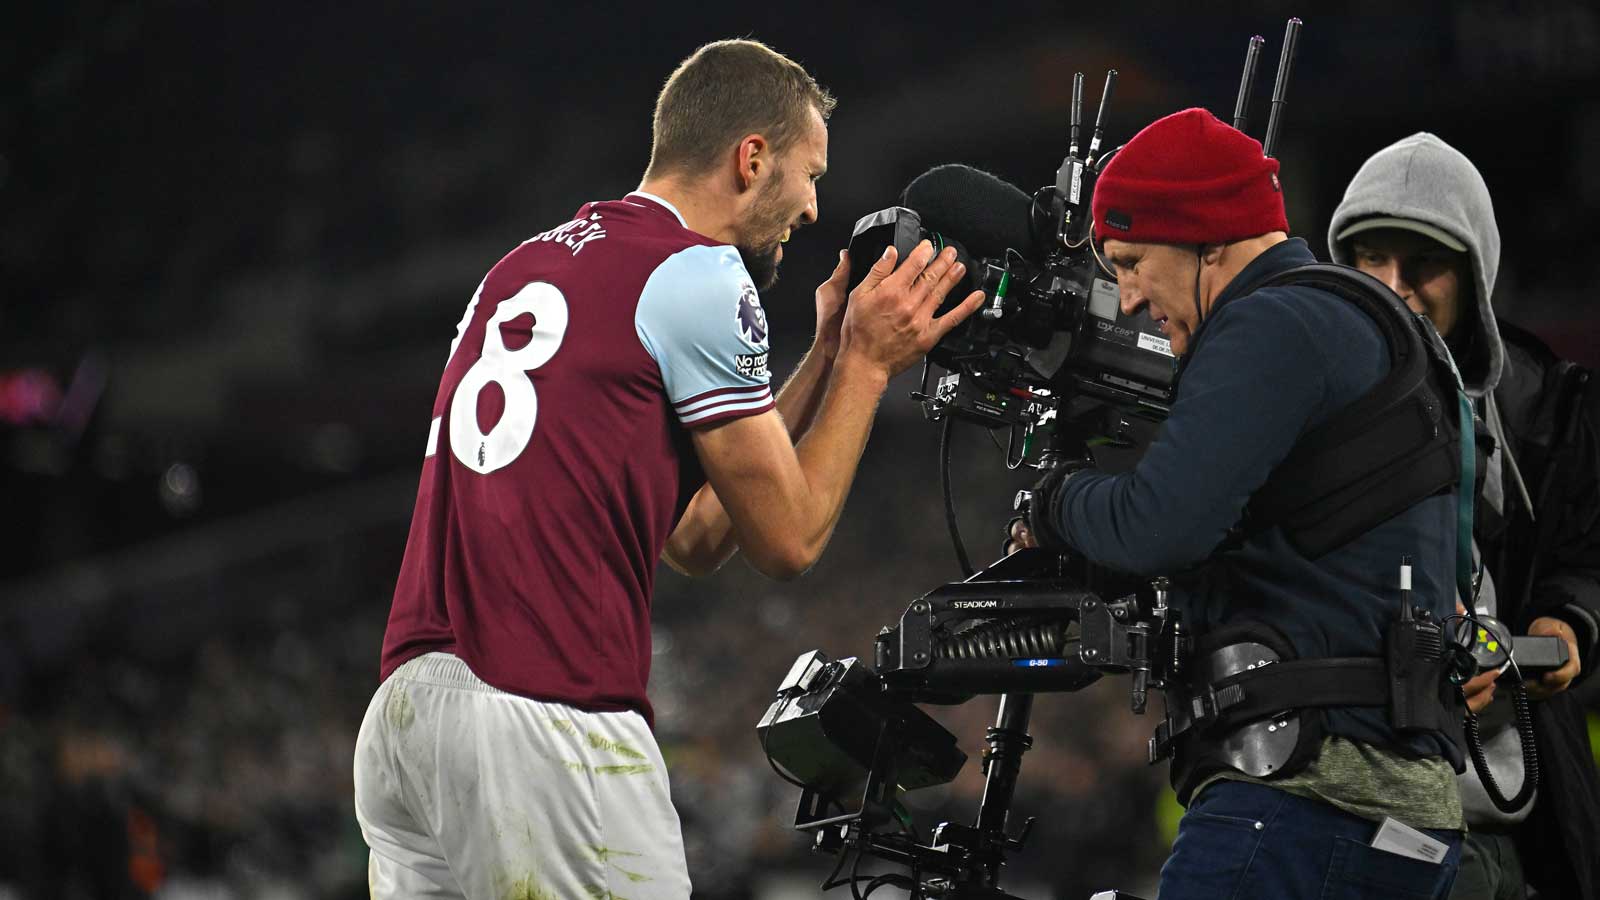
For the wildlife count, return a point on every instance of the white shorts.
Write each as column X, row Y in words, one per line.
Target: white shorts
column 463, row 790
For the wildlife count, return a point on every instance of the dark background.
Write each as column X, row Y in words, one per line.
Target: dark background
column 235, row 239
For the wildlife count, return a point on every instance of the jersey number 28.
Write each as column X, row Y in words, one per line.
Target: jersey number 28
column 485, row 452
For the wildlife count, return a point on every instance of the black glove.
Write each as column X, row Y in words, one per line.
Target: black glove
column 1039, row 506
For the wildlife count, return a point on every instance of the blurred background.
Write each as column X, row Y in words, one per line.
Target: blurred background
column 235, row 240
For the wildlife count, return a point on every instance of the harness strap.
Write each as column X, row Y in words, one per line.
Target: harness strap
column 1273, row 688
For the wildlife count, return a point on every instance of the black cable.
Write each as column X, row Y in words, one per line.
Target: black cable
column 1100, row 163
column 1530, row 754
column 949, row 499
column 830, row 882
column 1199, row 266
column 1524, row 724
column 1036, row 225
column 855, row 892
column 897, row 880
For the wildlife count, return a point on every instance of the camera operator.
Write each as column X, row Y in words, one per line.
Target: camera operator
column 1418, row 217
column 1192, row 221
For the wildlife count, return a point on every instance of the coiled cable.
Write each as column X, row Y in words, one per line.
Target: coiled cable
column 1530, row 754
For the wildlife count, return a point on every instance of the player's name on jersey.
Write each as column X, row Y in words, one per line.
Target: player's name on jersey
column 574, row 234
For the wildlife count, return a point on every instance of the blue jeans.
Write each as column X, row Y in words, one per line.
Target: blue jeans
column 1240, row 841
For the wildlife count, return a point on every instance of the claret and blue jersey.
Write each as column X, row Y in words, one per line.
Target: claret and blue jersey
column 558, row 461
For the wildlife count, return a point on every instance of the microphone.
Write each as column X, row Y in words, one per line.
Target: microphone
column 985, row 213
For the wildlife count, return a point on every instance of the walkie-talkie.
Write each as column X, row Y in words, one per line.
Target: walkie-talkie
column 1414, row 645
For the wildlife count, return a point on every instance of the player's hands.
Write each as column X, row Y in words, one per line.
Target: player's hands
column 889, row 319
column 830, row 308
column 1552, row 683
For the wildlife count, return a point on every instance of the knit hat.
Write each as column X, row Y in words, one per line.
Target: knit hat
column 1188, row 179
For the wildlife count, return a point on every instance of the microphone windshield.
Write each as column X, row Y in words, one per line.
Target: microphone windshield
column 985, row 213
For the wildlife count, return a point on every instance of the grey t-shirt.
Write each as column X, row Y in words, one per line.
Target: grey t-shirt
column 1372, row 783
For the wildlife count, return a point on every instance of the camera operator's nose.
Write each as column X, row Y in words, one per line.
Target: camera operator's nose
column 1129, row 299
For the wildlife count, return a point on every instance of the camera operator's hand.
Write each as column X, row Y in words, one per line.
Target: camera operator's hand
column 1018, row 537
column 1553, row 683
column 889, row 320
column 830, row 309
column 1034, row 525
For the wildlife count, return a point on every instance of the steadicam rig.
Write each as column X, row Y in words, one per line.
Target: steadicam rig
column 854, row 739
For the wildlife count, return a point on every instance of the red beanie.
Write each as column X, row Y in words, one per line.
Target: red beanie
column 1188, row 179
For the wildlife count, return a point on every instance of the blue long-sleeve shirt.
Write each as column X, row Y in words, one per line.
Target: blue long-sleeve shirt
column 1265, row 366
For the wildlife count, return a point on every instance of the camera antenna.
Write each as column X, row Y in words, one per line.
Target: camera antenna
column 1069, row 178
column 1077, row 112
column 1100, row 116
column 1280, row 88
column 1247, row 83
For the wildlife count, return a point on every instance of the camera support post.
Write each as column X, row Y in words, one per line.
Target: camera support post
column 1007, row 740
column 965, row 860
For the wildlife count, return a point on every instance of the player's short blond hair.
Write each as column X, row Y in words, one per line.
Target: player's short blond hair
column 724, row 91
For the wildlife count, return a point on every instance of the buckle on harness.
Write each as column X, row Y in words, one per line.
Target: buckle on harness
column 1207, row 707
column 1201, row 711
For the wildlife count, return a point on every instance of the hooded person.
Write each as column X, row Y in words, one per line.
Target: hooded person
column 1418, row 217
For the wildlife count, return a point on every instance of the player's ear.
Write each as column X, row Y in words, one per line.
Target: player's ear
column 754, row 158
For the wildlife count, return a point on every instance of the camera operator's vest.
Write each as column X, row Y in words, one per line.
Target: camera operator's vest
column 1250, row 705
column 1394, row 446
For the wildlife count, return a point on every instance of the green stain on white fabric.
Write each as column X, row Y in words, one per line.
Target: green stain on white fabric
column 599, row 742
column 624, row 770
column 399, row 710
column 606, row 854
column 525, row 888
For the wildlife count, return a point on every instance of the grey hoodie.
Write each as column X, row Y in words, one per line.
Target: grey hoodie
column 1424, row 179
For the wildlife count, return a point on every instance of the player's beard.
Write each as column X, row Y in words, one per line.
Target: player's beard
column 762, row 231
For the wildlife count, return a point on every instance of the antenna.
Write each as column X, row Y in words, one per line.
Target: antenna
column 1100, row 115
column 1077, row 112
column 1280, row 88
column 1069, row 178
column 1247, row 83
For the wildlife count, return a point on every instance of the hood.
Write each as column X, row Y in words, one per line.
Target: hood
column 1424, row 179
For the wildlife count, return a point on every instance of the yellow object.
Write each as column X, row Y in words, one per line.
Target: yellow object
column 1168, row 812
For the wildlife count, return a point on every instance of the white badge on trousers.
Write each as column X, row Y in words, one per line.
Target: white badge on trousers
column 1408, row 842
